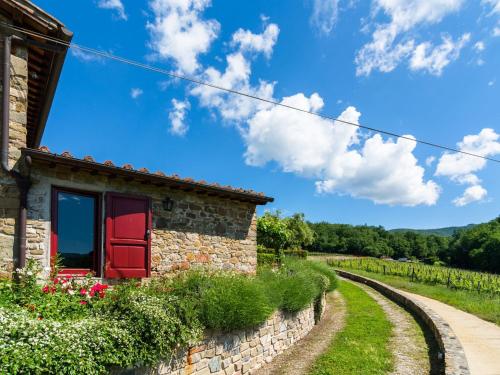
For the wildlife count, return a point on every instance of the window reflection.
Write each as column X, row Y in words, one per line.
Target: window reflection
column 76, row 229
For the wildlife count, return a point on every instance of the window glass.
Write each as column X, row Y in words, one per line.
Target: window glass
column 76, row 229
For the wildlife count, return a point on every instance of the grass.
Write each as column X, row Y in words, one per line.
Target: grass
column 362, row 347
column 485, row 306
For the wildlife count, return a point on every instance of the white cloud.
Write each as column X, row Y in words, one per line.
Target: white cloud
column 177, row 117
column 136, row 92
column 260, row 43
column 382, row 171
column 455, row 164
column 430, row 160
column 236, row 76
column 324, row 15
column 491, row 83
column 495, row 5
column 115, row 5
column 471, row 194
column 85, row 56
column 390, row 45
column 435, row 59
column 479, row 46
column 179, row 33
column 461, row 168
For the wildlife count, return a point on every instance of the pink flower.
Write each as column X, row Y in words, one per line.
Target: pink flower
column 83, row 302
column 83, row 291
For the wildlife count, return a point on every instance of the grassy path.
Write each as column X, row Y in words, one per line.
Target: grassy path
column 484, row 306
column 363, row 346
column 411, row 347
column 301, row 356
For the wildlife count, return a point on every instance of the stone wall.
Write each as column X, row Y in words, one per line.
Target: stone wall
column 9, row 196
column 239, row 352
column 200, row 231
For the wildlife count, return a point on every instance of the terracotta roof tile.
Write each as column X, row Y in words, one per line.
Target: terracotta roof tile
column 129, row 167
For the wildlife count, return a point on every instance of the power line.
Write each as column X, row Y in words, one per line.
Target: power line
column 217, row 87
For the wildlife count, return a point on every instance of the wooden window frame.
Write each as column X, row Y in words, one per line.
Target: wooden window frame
column 97, row 230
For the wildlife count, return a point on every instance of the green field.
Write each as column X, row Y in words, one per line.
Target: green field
column 485, row 305
column 452, row 278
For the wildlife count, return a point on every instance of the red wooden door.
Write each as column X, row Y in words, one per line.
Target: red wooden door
column 128, row 240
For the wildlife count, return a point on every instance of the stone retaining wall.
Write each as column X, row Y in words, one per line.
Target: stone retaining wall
column 240, row 352
column 453, row 355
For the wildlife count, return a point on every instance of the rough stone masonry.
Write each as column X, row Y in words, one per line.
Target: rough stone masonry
column 200, row 231
column 9, row 195
column 239, row 352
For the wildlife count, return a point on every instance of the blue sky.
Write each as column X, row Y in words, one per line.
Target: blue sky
column 426, row 68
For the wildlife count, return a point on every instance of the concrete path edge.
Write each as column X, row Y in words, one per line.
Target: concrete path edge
column 453, row 355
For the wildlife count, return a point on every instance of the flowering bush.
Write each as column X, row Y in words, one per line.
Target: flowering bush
column 79, row 326
column 61, row 297
column 86, row 346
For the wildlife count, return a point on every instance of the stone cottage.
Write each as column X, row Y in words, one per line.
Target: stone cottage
column 115, row 221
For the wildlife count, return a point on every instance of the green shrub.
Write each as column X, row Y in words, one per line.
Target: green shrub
column 297, row 283
column 327, row 271
column 266, row 259
column 157, row 321
column 234, row 302
column 299, row 291
column 88, row 346
column 223, row 301
column 261, row 249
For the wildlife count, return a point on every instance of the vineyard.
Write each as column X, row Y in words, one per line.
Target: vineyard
column 452, row 278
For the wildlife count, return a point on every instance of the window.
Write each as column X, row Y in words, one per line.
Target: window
column 75, row 230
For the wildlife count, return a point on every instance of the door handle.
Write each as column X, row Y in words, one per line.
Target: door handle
column 148, row 234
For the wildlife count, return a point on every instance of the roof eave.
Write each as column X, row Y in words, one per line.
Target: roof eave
column 55, row 73
column 155, row 178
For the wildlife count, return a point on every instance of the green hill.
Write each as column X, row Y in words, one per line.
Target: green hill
column 445, row 232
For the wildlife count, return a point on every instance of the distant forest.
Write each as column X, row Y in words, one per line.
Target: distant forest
column 474, row 247
column 446, row 232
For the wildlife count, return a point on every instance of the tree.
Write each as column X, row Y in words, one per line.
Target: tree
column 301, row 235
column 477, row 247
column 272, row 232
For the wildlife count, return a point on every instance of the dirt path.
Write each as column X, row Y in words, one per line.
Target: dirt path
column 480, row 339
column 408, row 343
column 299, row 359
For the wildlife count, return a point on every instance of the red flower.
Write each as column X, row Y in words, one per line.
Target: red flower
column 56, row 280
column 83, row 302
column 83, row 291
column 45, row 289
column 98, row 288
